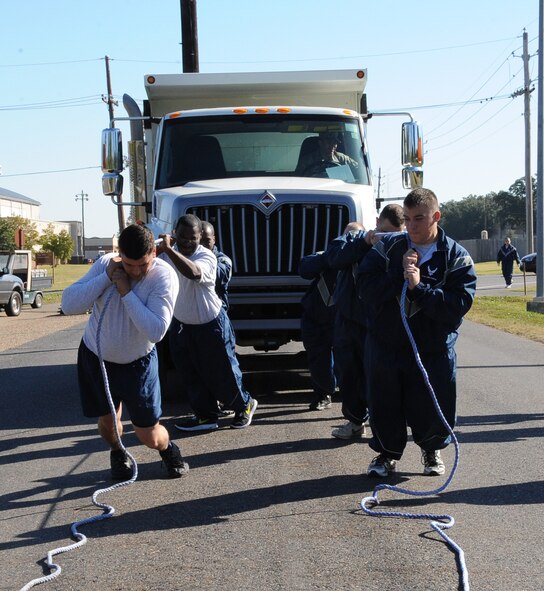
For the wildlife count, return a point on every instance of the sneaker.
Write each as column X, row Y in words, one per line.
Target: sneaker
column 224, row 413
column 243, row 419
column 349, row 431
column 432, row 462
column 508, row 286
column 195, row 423
column 121, row 468
column 173, row 461
column 381, row 466
column 321, row 403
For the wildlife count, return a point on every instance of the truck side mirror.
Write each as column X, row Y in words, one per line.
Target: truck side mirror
column 412, row 177
column 412, row 144
column 112, row 150
column 112, row 184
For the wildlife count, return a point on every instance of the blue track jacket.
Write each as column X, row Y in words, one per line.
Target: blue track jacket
column 344, row 254
column 435, row 308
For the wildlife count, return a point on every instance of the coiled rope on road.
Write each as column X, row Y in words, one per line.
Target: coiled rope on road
column 438, row 522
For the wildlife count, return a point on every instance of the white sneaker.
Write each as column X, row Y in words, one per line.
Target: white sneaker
column 432, row 462
column 349, row 431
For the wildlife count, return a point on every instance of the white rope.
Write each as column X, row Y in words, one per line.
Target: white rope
column 438, row 522
column 108, row 510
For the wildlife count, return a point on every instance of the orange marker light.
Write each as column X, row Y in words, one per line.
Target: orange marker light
column 151, row 79
column 360, row 74
column 261, row 110
column 239, row 111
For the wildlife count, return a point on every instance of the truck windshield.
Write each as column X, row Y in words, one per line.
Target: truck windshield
column 230, row 146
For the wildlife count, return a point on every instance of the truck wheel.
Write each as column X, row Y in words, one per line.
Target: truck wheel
column 13, row 307
column 38, row 301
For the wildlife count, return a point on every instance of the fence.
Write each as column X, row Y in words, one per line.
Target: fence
column 486, row 250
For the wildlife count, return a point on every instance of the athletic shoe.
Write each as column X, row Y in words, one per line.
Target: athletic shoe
column 321, row 403
column 432, row 462
column 195, row 423
column 225, row 413
column 121, row 468
column 509, row 286
column 381, row 466
column 244, row 418
column 173, row 461
column 349, row 431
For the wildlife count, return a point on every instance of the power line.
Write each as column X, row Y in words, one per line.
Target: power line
column 58, row 104
column 328, row 58
column 393, row 53
column 49, row 171
column 472, row 130
column 49, row 63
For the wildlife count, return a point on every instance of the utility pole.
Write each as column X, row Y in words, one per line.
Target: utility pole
column 378, row 199
column 82, row 197
column 527, row 117
column 540, row 164
column 109, row 98
column 537, row 305
column 189, row 36
column 110, row 102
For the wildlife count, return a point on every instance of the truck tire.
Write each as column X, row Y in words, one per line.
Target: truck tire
column 38, row 301
column 13, row 307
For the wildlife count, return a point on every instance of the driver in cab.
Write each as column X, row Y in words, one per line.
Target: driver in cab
column 316, row 162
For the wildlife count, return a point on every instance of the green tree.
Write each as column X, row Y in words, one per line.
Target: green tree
column 9, row 227
column 61, row 244
column 464, row 219
column 500, row 213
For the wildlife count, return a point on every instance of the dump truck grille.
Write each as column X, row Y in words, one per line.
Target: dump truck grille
column 273, row 243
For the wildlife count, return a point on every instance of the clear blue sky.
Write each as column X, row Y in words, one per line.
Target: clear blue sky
column 442, row 60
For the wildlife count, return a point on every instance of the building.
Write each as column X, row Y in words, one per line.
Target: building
column 15, row 204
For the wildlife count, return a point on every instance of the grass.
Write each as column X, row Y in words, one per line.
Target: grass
column 64, row 275
column 508, row 313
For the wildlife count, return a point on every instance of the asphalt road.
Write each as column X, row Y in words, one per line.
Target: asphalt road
column 276, row 506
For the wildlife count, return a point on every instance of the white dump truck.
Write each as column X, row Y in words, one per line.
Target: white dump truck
column 246, row 152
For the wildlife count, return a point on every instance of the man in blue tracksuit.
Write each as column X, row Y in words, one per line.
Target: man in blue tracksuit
column 343, row 255
column 505, row 258
column 224, row 263
column 317, row 326
column 441, row 287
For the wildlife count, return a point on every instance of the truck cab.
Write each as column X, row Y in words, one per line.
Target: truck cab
column 246, row 153
column 19, row 283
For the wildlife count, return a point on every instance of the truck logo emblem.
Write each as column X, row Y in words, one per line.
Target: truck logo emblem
column 267, row 200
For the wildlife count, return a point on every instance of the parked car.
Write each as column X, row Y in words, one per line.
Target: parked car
column 528, row 263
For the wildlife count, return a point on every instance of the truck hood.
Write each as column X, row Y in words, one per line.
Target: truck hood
column 265, row 183
column 251, row 189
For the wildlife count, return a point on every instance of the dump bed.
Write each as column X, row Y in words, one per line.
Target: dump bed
column 329, row 88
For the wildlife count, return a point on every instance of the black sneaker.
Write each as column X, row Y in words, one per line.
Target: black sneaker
column 381, row 466
column 321, row 403
column 224, row 413
column 195, row 423
column 432, row 462
column 243, row 419
column 173, row 461
column 121, row 468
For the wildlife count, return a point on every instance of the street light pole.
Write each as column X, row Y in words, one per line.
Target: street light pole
column 82, row 197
